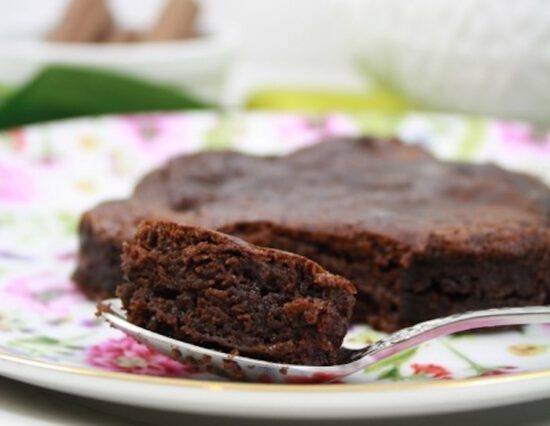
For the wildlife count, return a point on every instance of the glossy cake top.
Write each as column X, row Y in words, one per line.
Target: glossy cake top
column 355, row 186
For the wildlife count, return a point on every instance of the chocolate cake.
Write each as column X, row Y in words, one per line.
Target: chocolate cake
column 418, row 237
column 102, row 231
column 204, row 287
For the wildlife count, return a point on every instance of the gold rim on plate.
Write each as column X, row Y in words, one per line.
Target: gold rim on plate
column 266, row 387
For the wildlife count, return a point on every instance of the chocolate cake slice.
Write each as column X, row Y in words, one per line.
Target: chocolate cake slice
column 217, row 291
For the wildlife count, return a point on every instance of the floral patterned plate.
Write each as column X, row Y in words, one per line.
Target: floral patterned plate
column 49, row 335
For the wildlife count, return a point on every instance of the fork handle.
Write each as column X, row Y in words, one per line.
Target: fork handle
column 422, row 332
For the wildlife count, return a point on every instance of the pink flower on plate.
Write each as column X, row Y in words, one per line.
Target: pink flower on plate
column 128, row 356
column 159, row 136
column 43, row 294
column 339, row 125
column 499, row 371
column 519, row 139
column 299, row 131
column 431, row 370
column 16, row 184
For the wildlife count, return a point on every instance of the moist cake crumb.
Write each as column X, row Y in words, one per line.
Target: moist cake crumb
column 207, row 288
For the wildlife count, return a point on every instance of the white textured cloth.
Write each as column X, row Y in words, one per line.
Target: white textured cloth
column 482, row 56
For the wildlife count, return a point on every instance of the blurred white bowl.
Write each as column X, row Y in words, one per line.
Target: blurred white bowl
column 490, row 56
column 198, row 65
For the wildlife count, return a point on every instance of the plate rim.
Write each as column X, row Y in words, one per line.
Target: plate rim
column 229, row 386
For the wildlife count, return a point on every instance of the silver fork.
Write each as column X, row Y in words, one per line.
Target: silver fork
column 349, row 360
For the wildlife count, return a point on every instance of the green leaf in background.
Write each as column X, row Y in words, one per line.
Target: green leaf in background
column 322, row 101
column 4, row 92
column 61, row 92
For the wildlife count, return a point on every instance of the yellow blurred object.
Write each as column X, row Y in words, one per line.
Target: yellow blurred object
column 321, row 101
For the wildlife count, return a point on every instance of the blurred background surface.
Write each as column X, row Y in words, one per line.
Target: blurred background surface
column 478, row 57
